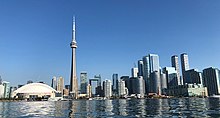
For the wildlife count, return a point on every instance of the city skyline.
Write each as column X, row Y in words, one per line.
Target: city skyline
column 42, row 36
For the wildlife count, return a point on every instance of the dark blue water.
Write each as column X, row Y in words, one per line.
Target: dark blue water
column 175, row 107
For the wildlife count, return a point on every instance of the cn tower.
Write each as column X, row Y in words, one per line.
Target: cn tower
column 73, row 78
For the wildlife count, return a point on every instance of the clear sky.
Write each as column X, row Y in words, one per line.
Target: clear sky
column 111, row 36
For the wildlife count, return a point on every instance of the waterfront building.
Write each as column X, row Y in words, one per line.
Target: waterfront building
column 60, row 84
column 121, row 88
column 34, row 90
column 54, row 83
column 12, row 89
column 98, row 89
column 146, row 72
column 115, row 84
column 175, row 64
column 171, row 76
column 89, row 91
column 2, row 91
column 154, row 83
column 154, row 63
column 73, row 77
column 188, row 90
column 6, row 89
column 107, row 88
column 83, row 82
column 212, row 80
column 127, row 81
column 184, row 64
column 192, row 76
column 163, row 81
column 140, row 89
column 134, row 72
column 140, row 67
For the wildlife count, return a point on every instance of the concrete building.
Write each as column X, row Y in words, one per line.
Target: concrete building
column 154, row 83
column 2, row 91
column 83, row 82
column 121, row 88
column 146, row 72
column 175, row 64
column 60, row 85
column 192, row 76
column 127, row 82
column 89, row 91
column 54, row 83
column 188, row 90
column 134, row 72
column 212, row 80
column 184, row 64
column 171, row 76
column 163, row 81
column 107, row 88
column 140, row 67
column 73, row 77
column 115, row 84
column 6, row 89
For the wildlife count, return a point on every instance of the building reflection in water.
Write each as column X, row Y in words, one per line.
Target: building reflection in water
column 122, row 108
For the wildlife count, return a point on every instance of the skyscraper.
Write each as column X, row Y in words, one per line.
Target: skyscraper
column 73, row 78
column 83, row 82
column 115, row 84
column 140, row 67
column 212, row 80
column 171, row 76
column 107, row 88
column 175, row 64
column 146, row 72
column 121, row 88
column 60, row 84
column 184, row 64
column 154, row 63
column 54, row 83
column 134, row 72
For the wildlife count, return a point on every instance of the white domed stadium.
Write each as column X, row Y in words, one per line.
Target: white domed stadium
column 35, row 90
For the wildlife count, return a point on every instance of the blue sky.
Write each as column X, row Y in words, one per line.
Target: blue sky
column 111, row 36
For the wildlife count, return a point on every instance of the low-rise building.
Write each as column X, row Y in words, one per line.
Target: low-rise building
column 188, row 90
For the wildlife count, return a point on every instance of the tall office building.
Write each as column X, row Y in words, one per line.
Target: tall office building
column 73, row 78
column 184, row 64
column 192, row 76
column 60, row 84
column 171, row 76
column 54, row 83
column 107, row 88
column 140, row 67
column 146, row 72
column 83, row 82
column 6, row 89
column 134, row 72
column 175, row 64
column 121, row 88
column 163, row 82
column 115, row 84
column 154, row 63
column 212, row 80
column 98, row 89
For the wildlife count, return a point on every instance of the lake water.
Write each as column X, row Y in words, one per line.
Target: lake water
column 175, row 107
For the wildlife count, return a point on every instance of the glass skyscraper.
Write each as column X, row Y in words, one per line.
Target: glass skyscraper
column 175, row 64
column 83, row 82
column 184, row 64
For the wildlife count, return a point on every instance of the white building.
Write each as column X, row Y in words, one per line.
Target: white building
column 2, row 89
column 121, row 88
column 107, row 88
column 34, row 90
column 134, row 72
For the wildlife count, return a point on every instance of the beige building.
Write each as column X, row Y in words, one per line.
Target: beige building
column 60, row 84
column 188, row 90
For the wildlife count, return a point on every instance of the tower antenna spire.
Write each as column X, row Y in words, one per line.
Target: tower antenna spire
column 74, row 30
